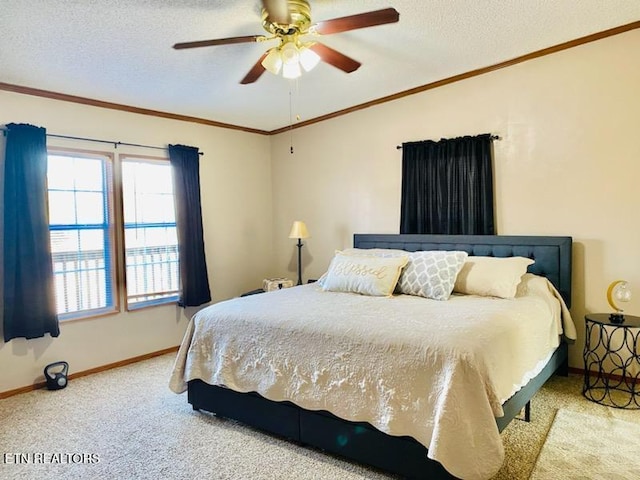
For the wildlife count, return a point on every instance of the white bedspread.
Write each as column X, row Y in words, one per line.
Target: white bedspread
column 437, row 371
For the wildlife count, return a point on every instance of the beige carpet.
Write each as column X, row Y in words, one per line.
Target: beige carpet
column 126, row 424
column 581, row 446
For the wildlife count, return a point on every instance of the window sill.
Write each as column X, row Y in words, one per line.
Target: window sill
column 66, row 318
column 152, row 303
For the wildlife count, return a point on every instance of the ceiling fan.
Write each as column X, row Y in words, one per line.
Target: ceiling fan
column 288, row 21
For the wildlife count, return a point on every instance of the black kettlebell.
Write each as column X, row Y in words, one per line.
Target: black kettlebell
column 56, row 375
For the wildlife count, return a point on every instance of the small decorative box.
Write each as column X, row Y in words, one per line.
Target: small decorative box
column 270, row 284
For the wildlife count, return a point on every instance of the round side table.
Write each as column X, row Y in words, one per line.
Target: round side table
column 612, row 361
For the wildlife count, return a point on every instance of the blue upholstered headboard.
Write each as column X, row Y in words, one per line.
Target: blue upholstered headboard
column 552, row 255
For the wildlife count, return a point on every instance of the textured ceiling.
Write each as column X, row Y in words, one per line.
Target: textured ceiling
column 120, row 50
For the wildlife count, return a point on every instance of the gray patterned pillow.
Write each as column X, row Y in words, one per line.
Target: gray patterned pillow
column 431, row 274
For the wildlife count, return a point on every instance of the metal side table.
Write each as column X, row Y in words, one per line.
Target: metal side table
column 612, row 361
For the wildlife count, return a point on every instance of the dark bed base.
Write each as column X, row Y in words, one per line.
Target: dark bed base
column 356, row 441
column 361, row 442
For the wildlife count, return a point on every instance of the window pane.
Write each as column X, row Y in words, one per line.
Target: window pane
column 152, row 262
column 64, row 241
column 151, row 244
column 89, row 208
column 88, row 174
column 80, row 234
column 58, row 173
column 62, row 208
column 75, row 173
column 155, row 208
column 148, row 176
column 80, row 275
column 91, row 239
column 140, row 237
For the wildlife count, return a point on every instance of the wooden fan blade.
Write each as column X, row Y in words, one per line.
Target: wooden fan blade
column 361, row 20
column 335, row 58
column 220, row 41
column 278, row 11
column 255, row 72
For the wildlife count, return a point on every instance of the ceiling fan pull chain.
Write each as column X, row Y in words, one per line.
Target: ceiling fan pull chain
column 290, row 121
column 291, row 109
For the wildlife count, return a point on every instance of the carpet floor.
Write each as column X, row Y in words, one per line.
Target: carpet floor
column 604, row 447
column 125, row 423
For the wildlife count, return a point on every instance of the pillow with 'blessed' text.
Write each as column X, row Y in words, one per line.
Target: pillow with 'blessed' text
column 366, row 275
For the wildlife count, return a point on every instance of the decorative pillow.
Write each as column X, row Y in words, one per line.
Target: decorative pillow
column 491, row 276
column 367, row 275
column 375, row 252
column 432, row 273
column 367, row 252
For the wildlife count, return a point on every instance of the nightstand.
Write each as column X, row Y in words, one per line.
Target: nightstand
column 252, row 292
column 612, row 361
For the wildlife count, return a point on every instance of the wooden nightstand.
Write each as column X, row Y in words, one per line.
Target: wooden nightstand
column 612, row 361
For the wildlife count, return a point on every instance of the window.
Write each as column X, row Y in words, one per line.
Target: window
column 150, row 235
column 82, row 227
column 81, row 230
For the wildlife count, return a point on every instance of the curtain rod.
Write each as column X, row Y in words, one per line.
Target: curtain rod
column 114, row 143
column 493, row 137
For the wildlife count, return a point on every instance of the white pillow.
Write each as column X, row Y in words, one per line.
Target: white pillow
column 367, row 275
column 491, row 276
column 432, row 273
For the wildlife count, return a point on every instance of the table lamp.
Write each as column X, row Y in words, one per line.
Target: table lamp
column 299, row 231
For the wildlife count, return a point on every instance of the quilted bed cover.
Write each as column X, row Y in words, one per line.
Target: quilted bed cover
column 437, row 371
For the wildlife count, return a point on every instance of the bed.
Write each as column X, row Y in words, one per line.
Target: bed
column 246, row 367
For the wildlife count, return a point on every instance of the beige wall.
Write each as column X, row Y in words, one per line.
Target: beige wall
column 568, row 164
column 236, row 202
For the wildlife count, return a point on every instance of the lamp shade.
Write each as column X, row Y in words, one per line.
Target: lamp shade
column 299, row 230
column 289, row 53
column 308, row 58
column 291, row 70
column 272, row 62
column 290, row 57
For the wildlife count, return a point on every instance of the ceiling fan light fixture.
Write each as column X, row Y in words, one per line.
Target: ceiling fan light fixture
column 289, row 53
column 308, row 58
column 291, row 70
column 272, row 62
column 288, row 21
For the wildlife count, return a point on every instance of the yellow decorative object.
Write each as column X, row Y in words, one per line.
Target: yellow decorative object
column 271, row 284
column 618, row 291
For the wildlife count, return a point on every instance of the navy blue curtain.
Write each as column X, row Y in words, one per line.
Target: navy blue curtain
column 29, row 304
column 447, row 186
column 193, row 266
